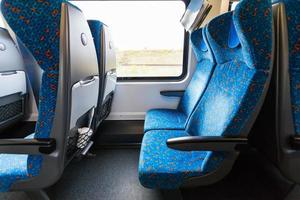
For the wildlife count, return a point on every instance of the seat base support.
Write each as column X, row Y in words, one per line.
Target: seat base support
column 38, row 195
column 294, row 193
column 172, row 194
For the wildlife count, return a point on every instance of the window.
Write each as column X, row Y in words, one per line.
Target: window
column 148, row 36
column 234, row 4
column 1, row 22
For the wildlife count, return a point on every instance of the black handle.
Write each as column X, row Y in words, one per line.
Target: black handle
column 27, row 146
column 174, row 93
column 214, row 143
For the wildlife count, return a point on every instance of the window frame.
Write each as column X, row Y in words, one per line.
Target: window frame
column 185, row 55
column 166, row 78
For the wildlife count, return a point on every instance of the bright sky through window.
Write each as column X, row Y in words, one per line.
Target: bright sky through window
column 139, row 24
column 148, row 35
column 1, row 20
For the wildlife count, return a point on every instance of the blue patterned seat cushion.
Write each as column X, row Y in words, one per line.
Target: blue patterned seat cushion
column 13, row 168
column 96, row 27
column 165, row 168
column 293, row 16
column 164, row 119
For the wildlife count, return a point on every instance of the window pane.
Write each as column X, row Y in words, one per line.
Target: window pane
column 147, row 34
column 1, row 22
column 234, row 4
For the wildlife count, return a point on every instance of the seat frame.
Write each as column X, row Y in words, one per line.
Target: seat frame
column 228, row 163
column 286, row 146
column 55, row 162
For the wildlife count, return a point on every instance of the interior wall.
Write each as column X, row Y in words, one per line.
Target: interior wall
column 29, row 63
column 133, row 99
column 224, row 6
column 219, row 7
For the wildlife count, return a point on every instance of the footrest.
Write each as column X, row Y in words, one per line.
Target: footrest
column 87, row 148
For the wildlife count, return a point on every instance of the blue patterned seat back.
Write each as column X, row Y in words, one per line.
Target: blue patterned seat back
column 242, row 70
column 241, row 76
column 37, row 25
column 96, row 27
column 202, row 74
column 293, row 17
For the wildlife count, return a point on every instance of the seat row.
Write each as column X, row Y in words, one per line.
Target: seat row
column 77, row 62
column 198, row 143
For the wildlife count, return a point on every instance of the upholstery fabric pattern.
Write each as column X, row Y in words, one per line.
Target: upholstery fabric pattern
column 13, row 168
column 241, row 74
column 201, row 76
column 162, row 119
column 96, row 27
column 232, row 95
column 37, row 25
column 165, row 168
column 292, row 10
column 235, row 86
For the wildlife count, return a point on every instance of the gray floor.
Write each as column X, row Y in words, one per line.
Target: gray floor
column 13, row 196
column 111, row 175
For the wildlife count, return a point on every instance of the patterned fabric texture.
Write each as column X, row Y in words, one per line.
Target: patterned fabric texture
column 240, row 78
column 236, row 86
column 96, row 27
column 293, row 16
column 165, row 168
column 201, row 76
column 162, row 119
column 13, row 168
column 37, row 25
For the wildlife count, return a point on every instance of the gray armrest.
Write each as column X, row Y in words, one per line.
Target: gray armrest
column 295, row 142
column 27, row 146
column 197, row 143
column 174, row 93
